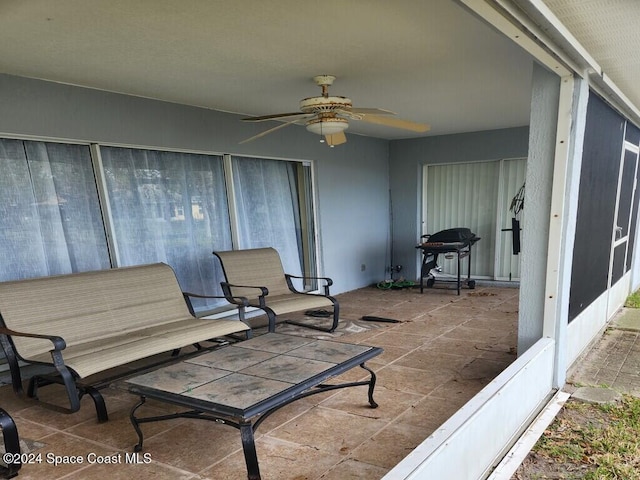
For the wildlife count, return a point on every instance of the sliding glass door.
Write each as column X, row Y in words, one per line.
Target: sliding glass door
column 70, row 208
column 51, row 218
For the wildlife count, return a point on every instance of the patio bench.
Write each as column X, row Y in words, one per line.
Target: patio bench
column 83, row 324
column 257, row 275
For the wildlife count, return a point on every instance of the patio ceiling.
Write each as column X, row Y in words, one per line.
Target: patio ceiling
column 429, row 61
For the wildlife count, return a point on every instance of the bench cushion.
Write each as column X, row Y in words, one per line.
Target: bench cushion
column 108, row 306
column 99, row 355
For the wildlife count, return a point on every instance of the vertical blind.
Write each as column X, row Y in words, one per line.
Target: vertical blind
column 512, row 178
column 473, row 195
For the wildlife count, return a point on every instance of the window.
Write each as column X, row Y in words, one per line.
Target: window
column 153, row 206
column 51, row 219
column 169, row 207
column 266, row 200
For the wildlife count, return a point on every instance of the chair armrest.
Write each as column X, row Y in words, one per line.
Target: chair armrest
column 242, row 301
column 226, row 288
column 58, row 342
column 327, row 280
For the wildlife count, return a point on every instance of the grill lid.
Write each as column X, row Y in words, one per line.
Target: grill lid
column 452, row 235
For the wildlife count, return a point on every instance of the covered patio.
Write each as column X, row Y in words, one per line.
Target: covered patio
column 444, row 350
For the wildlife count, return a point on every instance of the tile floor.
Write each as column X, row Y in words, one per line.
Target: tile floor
column 445, row 349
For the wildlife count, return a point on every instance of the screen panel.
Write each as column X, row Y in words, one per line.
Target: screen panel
column 596, row 204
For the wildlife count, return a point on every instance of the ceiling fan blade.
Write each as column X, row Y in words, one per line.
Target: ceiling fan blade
column 397, row 123
column 375, row 111
column 275, row 116
column 336, row 139
column 271, row 130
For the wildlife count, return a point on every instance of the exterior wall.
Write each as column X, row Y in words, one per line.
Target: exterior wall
column 539, row 181
column 352, row 203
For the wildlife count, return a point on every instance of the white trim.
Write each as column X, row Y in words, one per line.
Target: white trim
column 554, row 323
column 539, row 13
column 631, row 147
column 517, row 32
column 510, row 463
column 618, row 293
column 616, row 241
column 497, row 257
column 548, row 30
column 231, row 200
column 585, row 327
column 156, row 148
column 105, row 206
column 633, row 151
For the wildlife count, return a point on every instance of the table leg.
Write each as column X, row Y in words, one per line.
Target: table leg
column 249, row 447
column 136, row 424
column 372, row 385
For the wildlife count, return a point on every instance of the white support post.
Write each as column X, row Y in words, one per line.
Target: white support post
column 574, row 96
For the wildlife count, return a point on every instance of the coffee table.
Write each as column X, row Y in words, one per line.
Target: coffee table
column 242, row 384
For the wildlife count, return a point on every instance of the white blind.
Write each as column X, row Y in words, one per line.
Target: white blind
column 513, row 176
column 474, row 195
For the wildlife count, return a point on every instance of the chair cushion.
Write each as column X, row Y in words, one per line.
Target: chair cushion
column 258, row 267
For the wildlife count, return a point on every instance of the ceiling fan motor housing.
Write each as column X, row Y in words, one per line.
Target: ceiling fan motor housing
column 326, row 120
column 324, row 104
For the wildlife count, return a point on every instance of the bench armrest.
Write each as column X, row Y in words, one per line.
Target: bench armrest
column 58, row 362
column 58, row 342
column 327, row 280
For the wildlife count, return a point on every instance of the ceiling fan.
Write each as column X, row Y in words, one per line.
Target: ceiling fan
column 328, row 116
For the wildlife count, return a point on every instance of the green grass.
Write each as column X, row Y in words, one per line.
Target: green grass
column 633, row 300
column 602, row 441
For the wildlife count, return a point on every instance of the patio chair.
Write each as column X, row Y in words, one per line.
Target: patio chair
column 258, row 275
column 12, row 457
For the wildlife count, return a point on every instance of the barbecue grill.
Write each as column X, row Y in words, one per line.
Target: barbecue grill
column 451, row 242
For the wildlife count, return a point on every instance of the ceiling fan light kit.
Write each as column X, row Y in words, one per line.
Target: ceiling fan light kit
column 327, row 126
column 328, row 116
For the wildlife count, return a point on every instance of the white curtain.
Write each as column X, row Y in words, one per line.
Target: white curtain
column 51, row 220
column 267, row 203
column 164, row 207
column 170, row 207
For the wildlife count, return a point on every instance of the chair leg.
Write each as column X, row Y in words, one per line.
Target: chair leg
column 272, row 319
column 98, row 400
column 336, row 316
column 334, row 324
column 11, row 443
